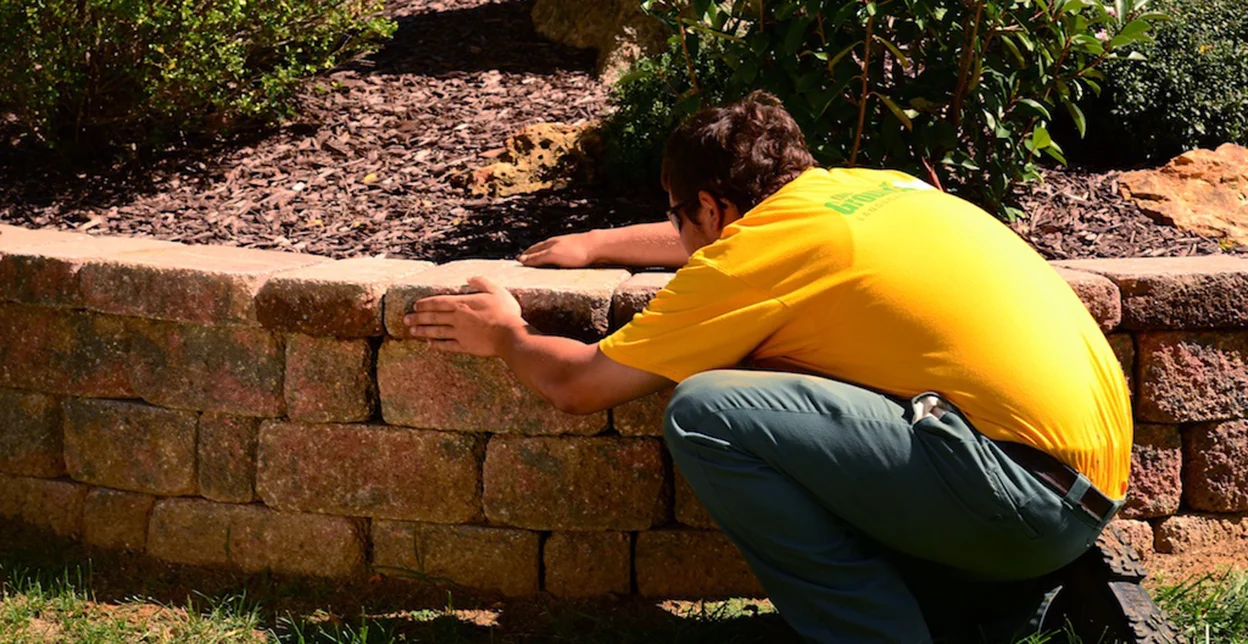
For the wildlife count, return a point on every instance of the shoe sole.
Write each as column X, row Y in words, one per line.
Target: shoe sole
column 1107, row 583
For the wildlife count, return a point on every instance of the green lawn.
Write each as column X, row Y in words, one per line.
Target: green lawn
column 39, row 605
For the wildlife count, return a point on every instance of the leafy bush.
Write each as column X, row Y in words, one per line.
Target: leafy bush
column 1192, row 91
column 959, row 93
column 651, row 100
column 86, row 76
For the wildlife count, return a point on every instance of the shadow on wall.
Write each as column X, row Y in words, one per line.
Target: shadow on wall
column 306, row 609
column 467, row 38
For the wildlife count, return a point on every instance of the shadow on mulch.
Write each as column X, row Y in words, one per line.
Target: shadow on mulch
column 494, row 36
column 32, row 179
column 314, row 610
column 500, row 228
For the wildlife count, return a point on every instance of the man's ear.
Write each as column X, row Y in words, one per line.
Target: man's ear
column 713, row 206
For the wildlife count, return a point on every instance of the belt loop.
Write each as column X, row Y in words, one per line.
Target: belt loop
column 1077, row 490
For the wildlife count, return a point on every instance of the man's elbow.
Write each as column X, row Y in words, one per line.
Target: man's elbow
column 576, row 403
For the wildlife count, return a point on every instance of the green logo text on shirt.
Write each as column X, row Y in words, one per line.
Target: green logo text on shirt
column 847, row 203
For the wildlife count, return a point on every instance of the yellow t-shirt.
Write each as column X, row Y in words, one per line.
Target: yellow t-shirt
column 874, row 278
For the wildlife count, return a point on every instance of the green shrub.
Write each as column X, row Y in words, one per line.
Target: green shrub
column 88, row 76
column 1192, row 91
column 651, row 100
column 958, row 93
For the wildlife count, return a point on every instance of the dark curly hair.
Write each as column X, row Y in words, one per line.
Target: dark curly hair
column 742, row 153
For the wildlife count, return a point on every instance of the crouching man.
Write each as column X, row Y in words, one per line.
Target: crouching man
column 882, row 390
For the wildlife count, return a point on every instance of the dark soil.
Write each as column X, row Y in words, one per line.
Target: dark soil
column 366, row 170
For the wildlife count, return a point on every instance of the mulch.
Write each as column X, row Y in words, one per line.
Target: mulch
column 1081, row 214
column 367, row 168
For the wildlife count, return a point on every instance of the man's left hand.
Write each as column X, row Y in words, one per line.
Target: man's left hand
column 480, row 323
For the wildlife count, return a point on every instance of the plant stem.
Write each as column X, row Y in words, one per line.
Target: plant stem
column 968, row 55
column 862, row 104
column 684, row 46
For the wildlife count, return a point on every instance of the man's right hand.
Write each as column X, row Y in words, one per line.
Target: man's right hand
column 641, row 245
column 564, row 251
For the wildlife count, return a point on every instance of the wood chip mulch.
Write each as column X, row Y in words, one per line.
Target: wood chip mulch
column 1079, row 214
column 366, row 169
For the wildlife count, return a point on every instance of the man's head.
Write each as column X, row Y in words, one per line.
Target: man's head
column 723, row 161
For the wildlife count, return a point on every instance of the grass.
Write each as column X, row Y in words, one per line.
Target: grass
column 41, row 605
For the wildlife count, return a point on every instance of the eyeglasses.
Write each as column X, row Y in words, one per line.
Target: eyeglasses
column 674, row 212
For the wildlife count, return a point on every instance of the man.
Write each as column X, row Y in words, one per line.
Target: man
column 923, row 391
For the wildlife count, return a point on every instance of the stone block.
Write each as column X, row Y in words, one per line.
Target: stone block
column 52, row 505
column 478, row 557
column 254, row 538
column 47, row 275
column 375, row 471
column 1124, row 348
column 1099, row 296
column 227, row 457
column 63, row 352
column 1204, row 292
column 633, row 295
column 572, row 303
column 329, row 380
column 689, row 510
column 1192, row 376
column 196, row 284
column 564, row 483
column 643, row 416
column 1215, row 473
column 1137, row 534
column 116, row 519
column 691, row 563
column 234, row 370
column 423, row 387
column 338, row 299
column 14, row 238
column 588, row 564
column 30, row 435
column 1191, row 532
column 130, row 446
column 1156, row 461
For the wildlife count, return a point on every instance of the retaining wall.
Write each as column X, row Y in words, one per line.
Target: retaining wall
column 261, row 410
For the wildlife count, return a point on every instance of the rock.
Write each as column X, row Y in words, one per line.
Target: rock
column 116, row 519
column 1188, row 532
column 587, row 564
column 577, row 484
column 370, row 471
column 1156, row 460
column 692, row 563
column 1214, row 475
column 329, row 380
column 1191, row 376
column 478, row 557
column 542, row 156
column 618, row 29
column 227, row 457
column 130, row 446
column 1202, row 191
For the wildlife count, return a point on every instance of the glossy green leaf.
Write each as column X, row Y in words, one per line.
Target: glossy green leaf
column 1037, row 107
column 897, row 111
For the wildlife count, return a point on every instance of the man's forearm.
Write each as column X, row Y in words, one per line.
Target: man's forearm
column 548, row 365
column 656, row 244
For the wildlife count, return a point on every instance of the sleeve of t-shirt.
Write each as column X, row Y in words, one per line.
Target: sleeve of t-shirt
column 704, row 319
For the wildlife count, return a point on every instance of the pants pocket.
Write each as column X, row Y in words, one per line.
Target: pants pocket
column 955, row 452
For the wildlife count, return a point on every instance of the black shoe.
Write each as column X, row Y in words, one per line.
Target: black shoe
column 1102, row 599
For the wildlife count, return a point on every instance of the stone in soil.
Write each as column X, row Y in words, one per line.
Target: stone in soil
column 1201, row 191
